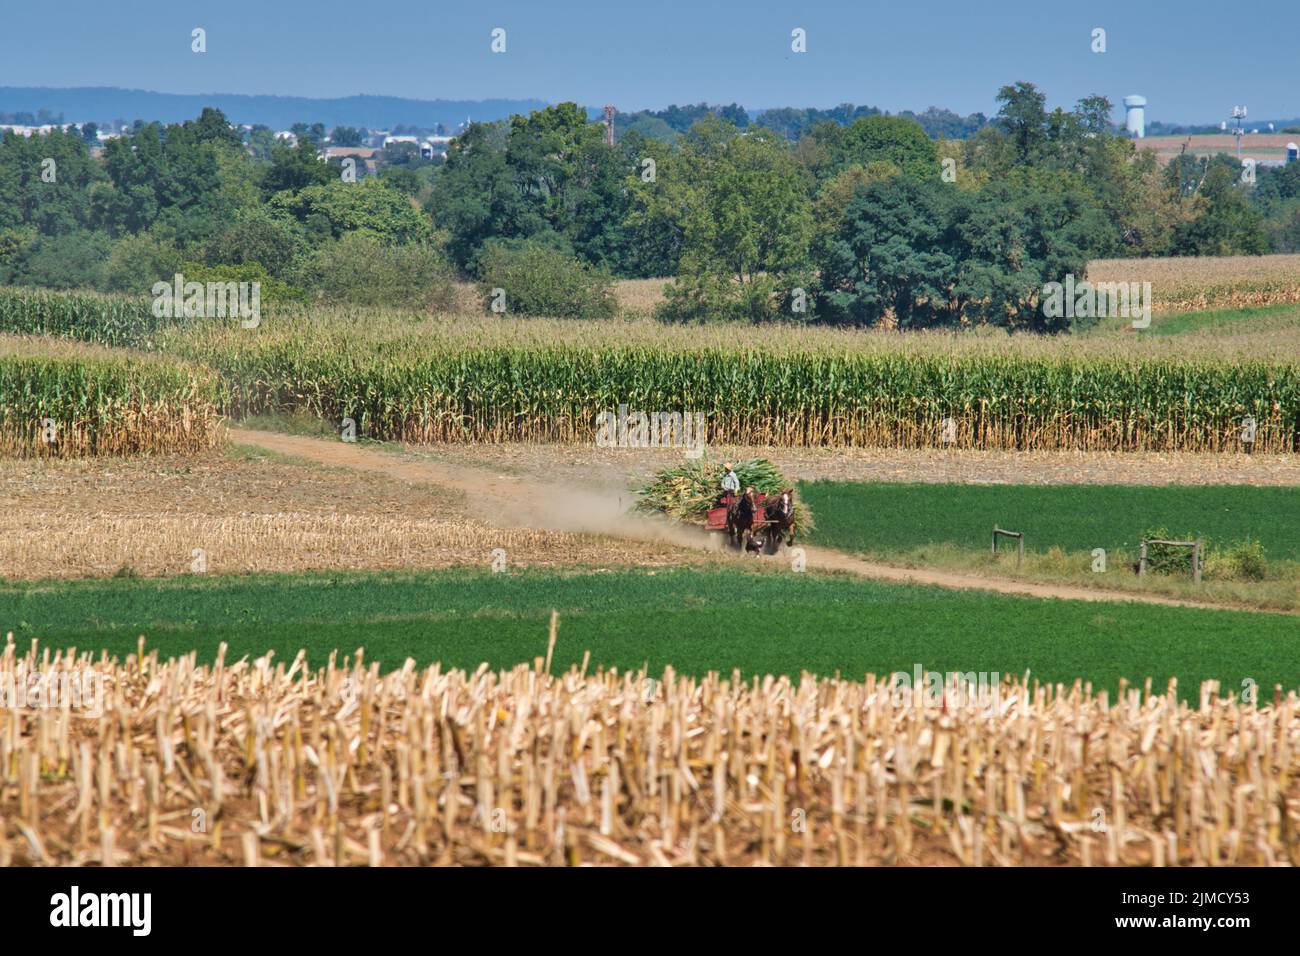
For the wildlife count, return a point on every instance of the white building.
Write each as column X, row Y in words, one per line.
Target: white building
column 434, row 146
column 27, row 130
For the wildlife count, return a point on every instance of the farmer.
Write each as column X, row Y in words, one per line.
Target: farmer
column 730, row 483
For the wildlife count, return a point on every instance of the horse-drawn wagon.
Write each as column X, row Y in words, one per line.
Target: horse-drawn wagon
column 761, row 519
column 754, row 522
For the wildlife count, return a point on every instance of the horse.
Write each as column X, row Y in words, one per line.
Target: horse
column 778, row 512
column 740, row 517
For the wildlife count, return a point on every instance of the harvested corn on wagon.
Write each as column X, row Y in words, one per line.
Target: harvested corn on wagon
column 689, row 494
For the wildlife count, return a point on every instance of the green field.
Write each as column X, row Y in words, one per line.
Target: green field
column 894, row 518
column 696, row 620
column 1224, row 322
column 1208, row 327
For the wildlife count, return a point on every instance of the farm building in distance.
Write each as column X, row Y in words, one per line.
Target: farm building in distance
column 365, row 154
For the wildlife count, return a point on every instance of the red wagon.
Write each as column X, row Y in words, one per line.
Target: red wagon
column 716, row 521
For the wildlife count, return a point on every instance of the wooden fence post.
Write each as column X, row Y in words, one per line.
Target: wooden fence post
column 1020, row 538
column 1197, row 547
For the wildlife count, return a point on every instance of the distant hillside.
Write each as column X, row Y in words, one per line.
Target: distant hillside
column 103, row 104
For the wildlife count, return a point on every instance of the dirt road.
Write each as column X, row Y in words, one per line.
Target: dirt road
column 511, row 501
column 577, row 463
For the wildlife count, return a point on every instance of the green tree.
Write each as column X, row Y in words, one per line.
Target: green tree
column 529, row 278
column 1283, row 226
column 475, row 197
column 347, row 136
column 183, row 179
column 73, row 260
column 45, row 182
column 359, row 270
column 294, row 168
column 1022, row 115
column 878, row 139
column 746, row 223
column 895, row 256
column 1229, row 224
column 136, row 262
column 262, row 142
column 211, row 127
column 653, row 226
column 274, row 242
column 571, row 179
column 311, row 135
column 744, row 210
column 1094, row 112
column 1015, row 238
column 369, row 207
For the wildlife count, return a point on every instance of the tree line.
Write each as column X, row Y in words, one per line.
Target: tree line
column 860, row 219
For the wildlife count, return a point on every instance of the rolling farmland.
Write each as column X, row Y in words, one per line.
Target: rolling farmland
column 303, row 569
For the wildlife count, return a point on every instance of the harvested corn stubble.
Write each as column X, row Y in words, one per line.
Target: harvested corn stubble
column 269, row 762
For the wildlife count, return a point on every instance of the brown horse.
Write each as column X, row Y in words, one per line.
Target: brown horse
column 778, row 512
column 740, row 518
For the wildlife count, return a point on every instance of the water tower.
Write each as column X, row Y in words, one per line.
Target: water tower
column 1135, row 115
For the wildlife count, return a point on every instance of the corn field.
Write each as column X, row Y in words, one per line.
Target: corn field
column 102, row 319
column 275, row 763
column 1186, row 284
column 58, row 399
column 499, row 380
column 870, row 398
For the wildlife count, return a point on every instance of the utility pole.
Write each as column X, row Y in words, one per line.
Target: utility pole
column 609, row 125
column 1238, row 113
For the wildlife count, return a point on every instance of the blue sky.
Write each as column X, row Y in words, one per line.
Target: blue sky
column 1193, row 60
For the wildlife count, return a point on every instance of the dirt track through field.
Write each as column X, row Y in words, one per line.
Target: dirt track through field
column 511, row 501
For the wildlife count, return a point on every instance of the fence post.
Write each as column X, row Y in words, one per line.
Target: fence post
column 1196, row 562
column 1020, row 540
column 1142, row 559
